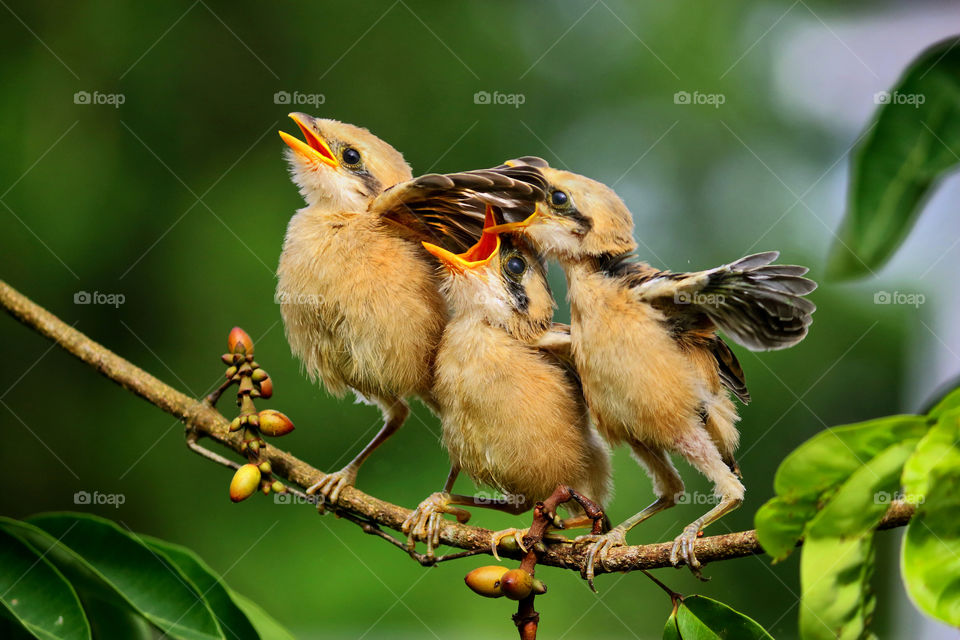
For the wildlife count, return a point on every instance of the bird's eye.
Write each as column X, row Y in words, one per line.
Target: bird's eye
column 350, row 156
column 559, row 198
column 516, row 266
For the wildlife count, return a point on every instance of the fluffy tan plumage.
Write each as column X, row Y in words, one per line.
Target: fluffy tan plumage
column 655, row 374
column 513, row 414
column 359, row 294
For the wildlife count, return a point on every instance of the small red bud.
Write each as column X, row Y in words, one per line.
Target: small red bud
column 239, row 341
column 516, row 584
column 275, row 424
column 266, row 387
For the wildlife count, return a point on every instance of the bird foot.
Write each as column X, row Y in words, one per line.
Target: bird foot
column 602, row 543
column 330, row 486
column 425, row 522
column 683, row 550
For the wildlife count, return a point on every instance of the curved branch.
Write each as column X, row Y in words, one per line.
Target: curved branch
column 371, row 513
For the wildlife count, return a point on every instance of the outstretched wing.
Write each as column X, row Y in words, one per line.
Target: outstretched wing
column 758, row 304
column 448, row 209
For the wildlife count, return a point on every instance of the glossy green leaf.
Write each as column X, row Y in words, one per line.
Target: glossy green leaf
column 37, row 595
column 702, row 618
column 112, row 621
column 103, row 557
column 670, row 630
column 913, row 142
column 232, row 620
column 837, row 558
column 930, row 563
column 266, row 626
column 819, row 466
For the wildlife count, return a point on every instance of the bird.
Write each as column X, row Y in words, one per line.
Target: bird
column 513, row 414
column 655, row 372
column 358, row 293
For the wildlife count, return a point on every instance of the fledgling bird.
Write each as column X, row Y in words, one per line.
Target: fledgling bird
column 513, row 413
column 655, row 373
column 358, row 293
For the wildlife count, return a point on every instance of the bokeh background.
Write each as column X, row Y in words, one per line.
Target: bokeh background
column 165, row 186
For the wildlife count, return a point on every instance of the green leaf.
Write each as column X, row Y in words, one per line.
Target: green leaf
column 111, row 621
column 670, row 630
column 232, row 620
column 702, row 618
column 266, row 626
column 837, row 559
column 947, row 403
column 929, row 563
column 909, row 147
column 37, row 595
column 100, row 557
column 818, row 466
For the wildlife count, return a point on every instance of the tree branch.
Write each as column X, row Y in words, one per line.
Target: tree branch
column 370, row 513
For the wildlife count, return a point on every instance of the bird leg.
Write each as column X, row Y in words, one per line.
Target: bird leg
column 330, row 486
column 425, row 521
column 701, row 451
column 667, row 485
column 683, row 544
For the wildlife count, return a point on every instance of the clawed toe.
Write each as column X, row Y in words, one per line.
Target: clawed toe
column 330, row 486
column 683, row 550
column 599, row 550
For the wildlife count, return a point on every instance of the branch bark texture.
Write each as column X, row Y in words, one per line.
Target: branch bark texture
column 203, row 420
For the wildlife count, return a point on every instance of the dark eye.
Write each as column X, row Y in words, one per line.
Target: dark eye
column 350, row 156
column 516, row 266
column 559, row 198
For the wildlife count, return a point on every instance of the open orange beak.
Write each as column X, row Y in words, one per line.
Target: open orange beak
column 510, row 227
column 315, row 149
column 478, row 255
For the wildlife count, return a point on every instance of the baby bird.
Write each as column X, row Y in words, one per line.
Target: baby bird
column 358, row 293
column 655, row 373
column 513, row 414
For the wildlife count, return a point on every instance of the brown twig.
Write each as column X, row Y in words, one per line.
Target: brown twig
column 202, row 420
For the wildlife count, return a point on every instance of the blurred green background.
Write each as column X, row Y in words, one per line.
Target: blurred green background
column 177, row 199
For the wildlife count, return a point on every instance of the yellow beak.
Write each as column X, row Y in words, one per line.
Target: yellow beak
column 480, row 254
column 315, row 149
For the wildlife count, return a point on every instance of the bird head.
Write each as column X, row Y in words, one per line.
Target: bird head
column 340, row 165
column 578, row 218
column 500, row 280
